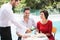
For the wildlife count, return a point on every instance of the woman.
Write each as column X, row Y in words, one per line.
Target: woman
column 45, row 25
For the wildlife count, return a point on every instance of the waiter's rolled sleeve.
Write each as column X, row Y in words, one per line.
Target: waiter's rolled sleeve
column 22, row 30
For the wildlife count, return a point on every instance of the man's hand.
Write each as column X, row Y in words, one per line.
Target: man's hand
column 28, row 30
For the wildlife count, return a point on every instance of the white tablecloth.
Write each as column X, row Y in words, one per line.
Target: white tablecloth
column 36, row 37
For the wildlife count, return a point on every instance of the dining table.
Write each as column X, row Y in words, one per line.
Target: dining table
column 33, row 36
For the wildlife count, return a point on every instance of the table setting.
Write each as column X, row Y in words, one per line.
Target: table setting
column 34, row 35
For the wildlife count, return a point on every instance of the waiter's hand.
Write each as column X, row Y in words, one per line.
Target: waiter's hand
column 28, row 30
column 24, row 36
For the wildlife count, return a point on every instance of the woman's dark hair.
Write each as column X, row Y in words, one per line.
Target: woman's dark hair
column 27, row 8
column 45, row 13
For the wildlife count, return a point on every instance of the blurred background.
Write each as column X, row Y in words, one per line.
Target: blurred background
column 37, row 5
column 52, row 6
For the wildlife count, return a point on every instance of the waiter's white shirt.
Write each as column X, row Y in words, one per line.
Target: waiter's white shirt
column 6, row 15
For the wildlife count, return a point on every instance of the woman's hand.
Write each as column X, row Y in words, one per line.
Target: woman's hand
column 47, row 34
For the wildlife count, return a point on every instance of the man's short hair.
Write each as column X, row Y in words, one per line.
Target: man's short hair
column 27, row 8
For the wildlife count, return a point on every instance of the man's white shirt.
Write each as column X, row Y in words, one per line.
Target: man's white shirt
column 24, row 24
column 30, row 23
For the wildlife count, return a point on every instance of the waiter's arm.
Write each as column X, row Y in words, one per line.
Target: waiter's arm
column 9, row 15
column 19, row 35
column 21, row 32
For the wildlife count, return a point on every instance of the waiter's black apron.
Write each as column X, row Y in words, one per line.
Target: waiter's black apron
column 5, row 33
column 19, row 38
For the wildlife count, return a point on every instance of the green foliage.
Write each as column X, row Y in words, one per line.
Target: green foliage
column 40, row 4
column 3, row 1
column 34, row 4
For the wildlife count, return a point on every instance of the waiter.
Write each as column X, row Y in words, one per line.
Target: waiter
column 6, row 15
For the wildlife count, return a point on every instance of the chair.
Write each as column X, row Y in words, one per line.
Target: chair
column 54, row 30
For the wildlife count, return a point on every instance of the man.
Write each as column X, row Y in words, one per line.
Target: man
column 6, row 15
column 26, row 22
